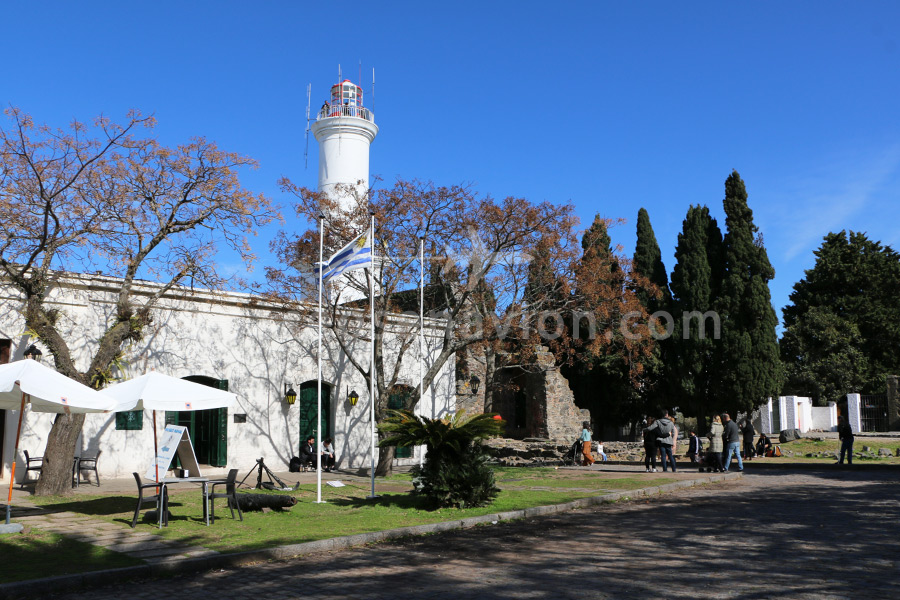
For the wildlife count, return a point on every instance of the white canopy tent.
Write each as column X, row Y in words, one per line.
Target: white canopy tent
column 155, row 391
column 29, row 382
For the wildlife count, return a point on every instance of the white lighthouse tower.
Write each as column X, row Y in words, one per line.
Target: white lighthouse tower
column 345, row 130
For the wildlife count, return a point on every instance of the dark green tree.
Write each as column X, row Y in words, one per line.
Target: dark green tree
column 842, row 330
column 693, row 362
column 648, row 263
column 655, row 386
column 751, row 367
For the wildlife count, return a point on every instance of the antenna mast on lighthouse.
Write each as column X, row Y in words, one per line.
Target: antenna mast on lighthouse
column 306, row 150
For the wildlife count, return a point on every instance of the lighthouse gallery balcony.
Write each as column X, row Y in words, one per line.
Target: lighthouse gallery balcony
column 345, row 110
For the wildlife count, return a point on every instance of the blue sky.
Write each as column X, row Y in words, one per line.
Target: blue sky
column 610, row 106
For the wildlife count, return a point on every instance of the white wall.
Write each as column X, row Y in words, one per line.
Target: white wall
column 225, row 336
column 854, row 403
column 825, row 417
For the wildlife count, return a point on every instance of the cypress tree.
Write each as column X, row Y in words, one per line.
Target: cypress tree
column 656, row 388
column 696, row 279
column 648, row 263
column 751, row 366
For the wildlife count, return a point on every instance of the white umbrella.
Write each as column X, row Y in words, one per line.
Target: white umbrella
column 29, row 382
column 156, row 391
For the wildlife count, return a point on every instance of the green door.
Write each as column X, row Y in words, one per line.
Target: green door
column 208, row 428
column 309, row 408
column 397, row 400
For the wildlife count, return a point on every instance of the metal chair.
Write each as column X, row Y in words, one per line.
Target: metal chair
column 230, row 493
column 35, row 463
column 160, row 499
column 87, row 463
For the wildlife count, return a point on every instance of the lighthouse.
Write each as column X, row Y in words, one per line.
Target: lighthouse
column 344, row 129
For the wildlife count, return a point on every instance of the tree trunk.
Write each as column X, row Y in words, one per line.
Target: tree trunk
column 56, row 475
column 385, row 461
column 490, row 367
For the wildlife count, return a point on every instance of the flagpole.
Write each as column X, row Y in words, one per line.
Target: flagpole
column 319, row 360
column 422, row 335
column 372, row 346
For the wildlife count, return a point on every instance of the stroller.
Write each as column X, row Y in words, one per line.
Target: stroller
column 571, row 459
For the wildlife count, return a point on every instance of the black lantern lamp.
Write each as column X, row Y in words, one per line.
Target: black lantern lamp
column 33, row 352
column 290, row 396
column 353, row 398
column 474, row 382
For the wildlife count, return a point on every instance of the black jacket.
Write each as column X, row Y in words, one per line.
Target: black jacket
column 732, row 433
column 845, row 432
column 308, row 453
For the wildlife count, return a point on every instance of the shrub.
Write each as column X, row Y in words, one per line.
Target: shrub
column 455, row 471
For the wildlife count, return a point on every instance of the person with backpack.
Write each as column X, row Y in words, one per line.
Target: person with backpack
column 732, row 441
column 650, row 448
column 665, row 434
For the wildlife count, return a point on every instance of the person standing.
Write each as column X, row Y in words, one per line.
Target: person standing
column 665, row 433
column 694, row 447
column 732, row 440
column 748, row 432
column 845, row 434
column 650, row 448
column 585, row 438
column 715, row 444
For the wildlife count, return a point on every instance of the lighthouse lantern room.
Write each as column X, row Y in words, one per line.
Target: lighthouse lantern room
column 344, row 129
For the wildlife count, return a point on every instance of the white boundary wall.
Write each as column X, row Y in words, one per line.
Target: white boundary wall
column 825, row 417
column 854, row 404
column 225, row 336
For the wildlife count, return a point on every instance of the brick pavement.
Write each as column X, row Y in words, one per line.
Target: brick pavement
column 810, row 534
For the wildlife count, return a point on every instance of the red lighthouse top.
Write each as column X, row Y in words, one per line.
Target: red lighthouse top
column 346, row 101
column 346, row 93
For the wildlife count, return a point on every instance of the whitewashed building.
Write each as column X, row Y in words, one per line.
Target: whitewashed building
column 229, row 340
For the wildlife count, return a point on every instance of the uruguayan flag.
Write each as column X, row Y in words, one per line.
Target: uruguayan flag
column 355, row 255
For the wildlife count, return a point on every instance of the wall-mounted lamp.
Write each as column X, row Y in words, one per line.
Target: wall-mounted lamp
column 33, row 352
column 290, row 396
column 353, row 398
column 474, row 382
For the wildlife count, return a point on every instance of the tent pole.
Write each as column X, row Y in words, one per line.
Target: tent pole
column 12, row 471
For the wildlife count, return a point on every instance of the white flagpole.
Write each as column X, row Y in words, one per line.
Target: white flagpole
column 372, row 347
column 319, row 360
column 422, row 335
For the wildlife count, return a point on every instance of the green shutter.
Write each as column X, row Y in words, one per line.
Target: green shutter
column 397, row 401
column 309, row 408
column 220, row 458
column 130, row 420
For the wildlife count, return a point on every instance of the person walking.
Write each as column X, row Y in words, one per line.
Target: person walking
column 845, row 434
column 748, row 433
column 650, row 448
column 732, row 441
column 694, row 447
column 665, row 433
column 715, row 444
column 585, row 438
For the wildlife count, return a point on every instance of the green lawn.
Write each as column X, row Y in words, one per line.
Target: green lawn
column 346, row 510
column 805, row 446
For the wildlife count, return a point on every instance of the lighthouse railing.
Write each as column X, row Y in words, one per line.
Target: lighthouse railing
column 329, row 111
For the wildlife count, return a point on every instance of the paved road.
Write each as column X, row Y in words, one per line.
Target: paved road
column 776, row 534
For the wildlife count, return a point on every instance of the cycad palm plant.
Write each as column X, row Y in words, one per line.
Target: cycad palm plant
column 455, row 470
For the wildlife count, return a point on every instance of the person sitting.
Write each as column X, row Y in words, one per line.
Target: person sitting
column 327, row 451
column 600, row 451
column 763, row 445
column 308, row 452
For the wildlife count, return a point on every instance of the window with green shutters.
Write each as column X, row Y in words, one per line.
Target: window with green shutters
column 129, row 420
column 397, row 401
column 309, row 408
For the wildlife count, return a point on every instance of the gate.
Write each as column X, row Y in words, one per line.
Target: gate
column 873, row 413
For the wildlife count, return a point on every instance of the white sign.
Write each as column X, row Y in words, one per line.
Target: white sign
column 175, row 439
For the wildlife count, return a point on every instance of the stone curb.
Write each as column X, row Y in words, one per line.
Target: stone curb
column 84, row 581
column 825, row 464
